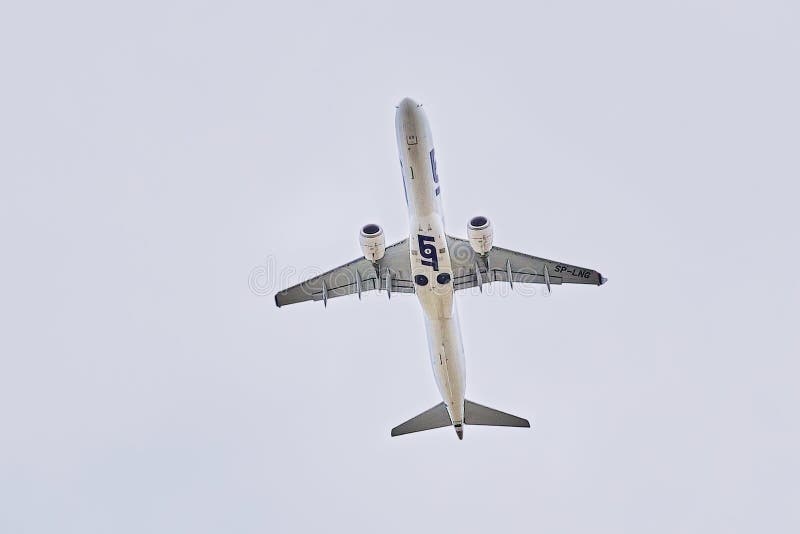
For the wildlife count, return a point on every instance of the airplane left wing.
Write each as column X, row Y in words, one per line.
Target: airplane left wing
column 392, row 273
column 502, row 265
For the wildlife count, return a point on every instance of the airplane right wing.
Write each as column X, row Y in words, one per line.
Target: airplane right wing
column 392, row 273
column 502, row 265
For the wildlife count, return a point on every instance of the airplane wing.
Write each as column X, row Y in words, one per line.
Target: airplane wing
column 502, row 265
column 392, row 273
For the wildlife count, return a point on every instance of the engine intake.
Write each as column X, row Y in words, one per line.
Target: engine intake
column 480, row 234
column 372, row 241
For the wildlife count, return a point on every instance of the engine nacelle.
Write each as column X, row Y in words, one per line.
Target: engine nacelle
column 480, row 234
column 372, row 241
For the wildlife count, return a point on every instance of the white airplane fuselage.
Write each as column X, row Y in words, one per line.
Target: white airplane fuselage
column 430, row 256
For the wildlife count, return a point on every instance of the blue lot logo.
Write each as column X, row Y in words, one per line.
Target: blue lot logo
column 427, row 249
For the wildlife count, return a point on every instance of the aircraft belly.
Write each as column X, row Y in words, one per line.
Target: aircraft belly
column 447, row 360
column 430, row 256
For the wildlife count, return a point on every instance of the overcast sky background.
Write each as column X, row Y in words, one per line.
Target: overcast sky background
column 154, row 155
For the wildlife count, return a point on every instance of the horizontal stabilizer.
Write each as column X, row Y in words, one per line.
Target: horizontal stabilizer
column 477, row 414
column 436, row 417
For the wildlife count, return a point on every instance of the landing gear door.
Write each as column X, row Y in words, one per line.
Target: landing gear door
column 410, row 129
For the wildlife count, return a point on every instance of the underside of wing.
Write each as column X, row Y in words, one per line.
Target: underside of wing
column 392, row 273
column 502, row 265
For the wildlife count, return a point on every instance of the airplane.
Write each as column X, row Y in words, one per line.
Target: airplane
column 435, row 265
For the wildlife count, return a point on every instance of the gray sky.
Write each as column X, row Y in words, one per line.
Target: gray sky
column 154, row 155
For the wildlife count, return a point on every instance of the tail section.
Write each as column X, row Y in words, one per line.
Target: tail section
column 474, row 414
column 477, row 414
column 436, row 417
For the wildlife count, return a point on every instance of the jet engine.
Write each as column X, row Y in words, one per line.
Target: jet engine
column 480, row 234
column 372, row 242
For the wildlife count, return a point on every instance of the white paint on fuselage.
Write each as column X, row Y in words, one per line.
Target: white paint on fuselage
column 415, row 146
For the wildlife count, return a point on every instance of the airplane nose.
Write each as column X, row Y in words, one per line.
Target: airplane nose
column 408, row 119
column 407, row 105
